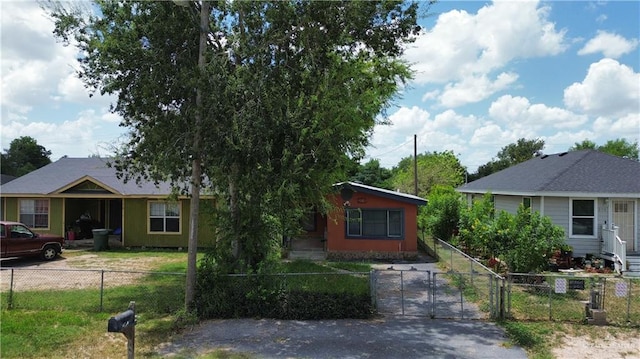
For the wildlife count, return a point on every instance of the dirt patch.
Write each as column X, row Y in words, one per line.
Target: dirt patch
column 76, row 272
column 622, row 345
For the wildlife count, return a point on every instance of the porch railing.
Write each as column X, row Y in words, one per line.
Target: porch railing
column 617, row 247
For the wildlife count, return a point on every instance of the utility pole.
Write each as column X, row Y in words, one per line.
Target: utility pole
column 415, row 164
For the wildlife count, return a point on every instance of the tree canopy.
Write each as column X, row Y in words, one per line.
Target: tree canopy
column 434, row 168
column 23, row 156
column 619, row 147
column 372, row 174
column 272, row 107
column 512, row 154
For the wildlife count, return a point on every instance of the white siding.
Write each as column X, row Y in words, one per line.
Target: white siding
column 507, row 203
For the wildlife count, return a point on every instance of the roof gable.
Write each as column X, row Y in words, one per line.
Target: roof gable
column 381, row 192
column 586, row 171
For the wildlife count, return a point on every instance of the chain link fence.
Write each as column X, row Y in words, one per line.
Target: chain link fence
column 90, row 290
column 571, row 298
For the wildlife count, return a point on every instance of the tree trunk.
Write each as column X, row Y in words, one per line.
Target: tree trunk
column 196, row 169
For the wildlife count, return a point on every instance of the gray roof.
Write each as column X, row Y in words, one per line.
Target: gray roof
column 6, row 178
column 55, row 176
column 381, row 192
column 586, row 172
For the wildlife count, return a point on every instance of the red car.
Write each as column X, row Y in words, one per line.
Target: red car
column 17, row 240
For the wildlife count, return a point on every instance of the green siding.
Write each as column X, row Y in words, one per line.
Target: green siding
column 135, row 227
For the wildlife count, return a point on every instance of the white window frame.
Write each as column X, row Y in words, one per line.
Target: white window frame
column 593, row 217
column 164, row 217
column 34, row 213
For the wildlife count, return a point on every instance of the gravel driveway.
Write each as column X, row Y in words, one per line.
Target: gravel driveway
column 391, row 336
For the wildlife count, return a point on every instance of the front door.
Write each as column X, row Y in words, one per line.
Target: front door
column 623, row 217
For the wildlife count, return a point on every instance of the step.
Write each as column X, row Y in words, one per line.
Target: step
column 309, row 255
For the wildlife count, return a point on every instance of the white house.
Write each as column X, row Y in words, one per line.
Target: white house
column 593, row 196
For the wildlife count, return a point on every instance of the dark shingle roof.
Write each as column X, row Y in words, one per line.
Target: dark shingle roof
column 586, row 171
column 6, row 178
column 381, row 192
column 57, row 175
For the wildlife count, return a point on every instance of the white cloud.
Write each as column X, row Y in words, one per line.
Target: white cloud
column 462, row 44
column 610, row 89
column 474, row 89
column 89, row 132
column 611, row 45
column 611, row 128
column 519, row 113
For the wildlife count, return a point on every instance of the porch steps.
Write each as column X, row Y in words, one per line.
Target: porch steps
column 312, row 255
column 633, row 265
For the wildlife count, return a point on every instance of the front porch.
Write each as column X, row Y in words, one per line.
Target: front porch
column 310, row 248
column 626, row 260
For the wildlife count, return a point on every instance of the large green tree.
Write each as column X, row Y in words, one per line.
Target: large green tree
column 619, row 147
column 269, row 109
column 23, row 156
column 512, row 154
column 434, row 168
column 372, row 174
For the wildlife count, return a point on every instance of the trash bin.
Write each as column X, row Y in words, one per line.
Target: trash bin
column 100, row 239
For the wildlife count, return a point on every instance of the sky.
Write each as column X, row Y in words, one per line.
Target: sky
column 486, row 73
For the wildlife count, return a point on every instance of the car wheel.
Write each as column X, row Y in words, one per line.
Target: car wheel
column 49, row 252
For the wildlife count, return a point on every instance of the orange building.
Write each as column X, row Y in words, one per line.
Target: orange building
column 369, row 222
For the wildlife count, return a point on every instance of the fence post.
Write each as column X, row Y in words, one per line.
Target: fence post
column 402, row 290
column 550, row 293
column 10, row 306
column 374, row 288
column 433, row 291
column 509, row 294
column 101, row 289
column 502, row 294
column 629, row 301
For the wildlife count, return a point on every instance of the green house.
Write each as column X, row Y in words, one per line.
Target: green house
column 72, row 196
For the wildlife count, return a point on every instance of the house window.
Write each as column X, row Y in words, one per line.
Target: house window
column 34, row 213
column 375, row 223
column 164, row 217
column 526, row 202
column 583, row 217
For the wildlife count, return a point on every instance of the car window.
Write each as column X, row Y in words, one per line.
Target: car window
column 2, row 231
column 18, row 231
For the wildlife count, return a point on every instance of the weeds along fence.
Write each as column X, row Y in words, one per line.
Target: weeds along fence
column 90, row 290
column 541, row 297
column 476, row 282
column 568, row 298
column 159, row 292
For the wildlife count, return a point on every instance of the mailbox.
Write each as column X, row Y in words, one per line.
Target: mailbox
column 125, row 323
column 121, row 321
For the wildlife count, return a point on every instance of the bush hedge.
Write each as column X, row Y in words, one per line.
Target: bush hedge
column 295, row 297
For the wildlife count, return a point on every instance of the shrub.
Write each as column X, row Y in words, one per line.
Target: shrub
column 524, row 241
column 442, row 213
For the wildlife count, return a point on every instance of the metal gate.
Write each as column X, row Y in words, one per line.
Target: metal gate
column 402, row 292
column 449, row 295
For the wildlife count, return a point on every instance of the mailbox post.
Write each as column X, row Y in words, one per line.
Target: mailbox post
column 125, row 323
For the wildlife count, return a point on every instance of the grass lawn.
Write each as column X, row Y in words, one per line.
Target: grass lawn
column 67, row 323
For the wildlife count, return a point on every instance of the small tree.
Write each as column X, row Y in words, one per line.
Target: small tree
column 534, row 239
column 525, row 241
column 442, row 213
column 476, row 222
